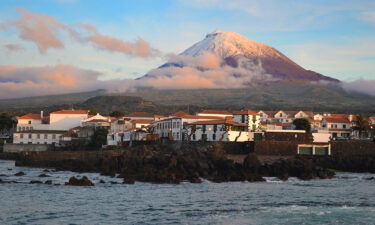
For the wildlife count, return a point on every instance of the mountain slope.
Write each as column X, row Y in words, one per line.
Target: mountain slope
column 236, row 51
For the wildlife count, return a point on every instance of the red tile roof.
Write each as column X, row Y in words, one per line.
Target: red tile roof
column 222, row 121
column 142, row 121
column 96, row 121
column 73, row 111
column 245, row 112
column 42, row 132
column 200, row 117
column 209, row 111
column 29, row 116
column 336, row 120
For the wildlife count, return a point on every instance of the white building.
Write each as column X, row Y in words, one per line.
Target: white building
column 32, row 121
column 337, row 126
column 248, row 117
column 67, row 119
column 217, row 130
column 173, row 126
column 37, row 129
column 218, row 113
column 37, row 137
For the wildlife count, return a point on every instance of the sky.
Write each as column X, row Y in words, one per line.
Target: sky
column 58, row 46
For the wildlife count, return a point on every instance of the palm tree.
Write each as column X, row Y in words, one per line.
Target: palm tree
column 362, row 124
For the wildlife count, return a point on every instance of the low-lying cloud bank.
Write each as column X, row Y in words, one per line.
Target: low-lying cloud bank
column 205, row 71
column 361, row 86
column 35, row 81
column 46, row 33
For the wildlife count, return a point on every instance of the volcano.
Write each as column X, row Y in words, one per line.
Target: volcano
column 237, row 60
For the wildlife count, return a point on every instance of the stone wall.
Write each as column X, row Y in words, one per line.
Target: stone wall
column 27, row 147
column 353, row 148
column 288, row 136
column 281, row 148
column 65, row 160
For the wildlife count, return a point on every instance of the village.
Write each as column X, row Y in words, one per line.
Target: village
column 67, row 129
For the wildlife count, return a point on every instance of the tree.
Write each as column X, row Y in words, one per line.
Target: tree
column 99, row 137
column 362, row 124
column 93, row 111
column 6, row 122
column 302, row 124
column 117, row 114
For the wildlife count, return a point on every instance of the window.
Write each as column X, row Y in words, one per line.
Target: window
column 213, row 136
column 193, row 136
column 53, row 136
column 21, row 135
column 30, row 136
column 29, row 121
column 178, row 124
column 45, row 136
column 242, row 118
column 27, row 128
column 204, row 128
column 344, row 126
column 38, row 136
column 178, row 135
column 215, row 128
column 23, row 128
column 281, row 115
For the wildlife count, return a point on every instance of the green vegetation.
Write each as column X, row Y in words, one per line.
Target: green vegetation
column 99, row 138
column 6, row 123
column 117, row 114
column 362, row 124
column 302, row 124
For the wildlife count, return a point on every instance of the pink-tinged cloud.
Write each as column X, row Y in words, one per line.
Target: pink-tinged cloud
column 139, row 48
column 48, row 33
column 204, row 71
column 13, row 47
column 43, row 30
column 45, row 80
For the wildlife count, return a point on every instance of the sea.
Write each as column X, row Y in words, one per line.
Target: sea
column 348, row 198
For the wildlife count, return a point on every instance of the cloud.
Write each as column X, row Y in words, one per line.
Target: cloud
column 43, row 30
column 13, row 47
column 140, row 48
column 48, row 33
column 44, row 80
column 361, row 85
column 204, row 71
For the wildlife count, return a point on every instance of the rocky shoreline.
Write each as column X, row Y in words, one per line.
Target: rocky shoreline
column 160, row 164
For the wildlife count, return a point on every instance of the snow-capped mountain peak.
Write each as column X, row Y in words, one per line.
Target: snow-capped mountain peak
column 225, row 44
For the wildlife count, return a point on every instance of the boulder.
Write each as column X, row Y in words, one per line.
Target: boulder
column 84, row 181
column 48, row 182
column 36, row 182
column 44, row 175
column 20, row 174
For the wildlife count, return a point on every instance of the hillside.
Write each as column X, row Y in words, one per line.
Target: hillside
column 269, row 97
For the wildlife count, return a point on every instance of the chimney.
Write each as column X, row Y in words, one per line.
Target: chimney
column 41, row 114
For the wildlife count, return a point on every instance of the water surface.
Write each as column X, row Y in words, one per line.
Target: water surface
column 347, row 199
